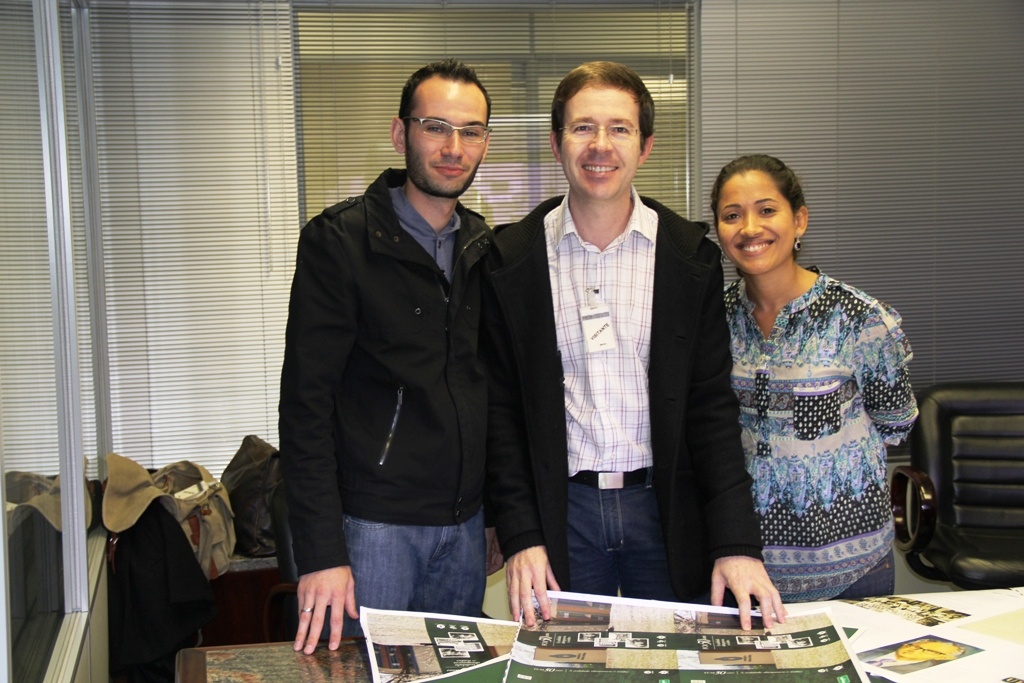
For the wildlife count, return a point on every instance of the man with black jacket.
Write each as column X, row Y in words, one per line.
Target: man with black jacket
column 615, row 462
column 383, row 398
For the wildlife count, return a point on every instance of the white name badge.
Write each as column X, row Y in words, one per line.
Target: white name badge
column 598, row 331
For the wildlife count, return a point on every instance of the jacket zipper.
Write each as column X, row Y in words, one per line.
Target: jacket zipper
column 394, row 425
column 455, row 266
column 401, row 389
column 481, row 241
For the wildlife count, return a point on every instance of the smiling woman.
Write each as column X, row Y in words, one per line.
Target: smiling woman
column 760, row 218
column 820, row 369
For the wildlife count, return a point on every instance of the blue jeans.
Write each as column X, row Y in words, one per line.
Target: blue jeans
column 615, row 543
column 417, row 568
column 880, row 580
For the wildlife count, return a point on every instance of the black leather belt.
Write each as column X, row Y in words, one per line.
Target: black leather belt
column 610, row 480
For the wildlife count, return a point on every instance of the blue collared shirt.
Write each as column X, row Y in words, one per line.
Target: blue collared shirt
column 440, row 245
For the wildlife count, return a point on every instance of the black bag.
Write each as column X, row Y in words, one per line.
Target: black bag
column 250, row 478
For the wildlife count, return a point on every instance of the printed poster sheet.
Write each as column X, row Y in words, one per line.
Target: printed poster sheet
column 594, row 639
column 417, row 646
column 955, row 636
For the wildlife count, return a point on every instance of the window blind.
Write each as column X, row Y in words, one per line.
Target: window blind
column 352, row 60
column 195, row 148
column 904, row 122
column 28, row 406
column 222, row 127
column 33, row 298
column 28, row 392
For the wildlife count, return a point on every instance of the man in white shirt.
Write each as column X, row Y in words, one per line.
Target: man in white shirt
column 606, row 340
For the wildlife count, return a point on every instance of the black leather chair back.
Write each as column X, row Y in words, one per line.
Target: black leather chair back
column 966, row 524
column 280, row 611
column 283, row 536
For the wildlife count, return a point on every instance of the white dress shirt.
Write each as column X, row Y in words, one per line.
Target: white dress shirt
column 607, row 411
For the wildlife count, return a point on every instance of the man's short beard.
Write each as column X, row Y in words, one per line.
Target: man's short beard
column 424, row 184
column 416, row 168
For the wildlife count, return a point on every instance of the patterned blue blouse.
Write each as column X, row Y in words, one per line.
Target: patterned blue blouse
column 819, row 401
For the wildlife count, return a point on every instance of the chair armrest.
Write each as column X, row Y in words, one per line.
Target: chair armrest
column 272, row 609
column 912, row 494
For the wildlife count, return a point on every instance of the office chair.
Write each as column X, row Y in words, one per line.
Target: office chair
column 280, row 610
column 959, row 505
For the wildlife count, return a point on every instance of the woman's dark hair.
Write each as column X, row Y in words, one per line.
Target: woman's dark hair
column 784, row 178
column 607, row 74
column 448, row 69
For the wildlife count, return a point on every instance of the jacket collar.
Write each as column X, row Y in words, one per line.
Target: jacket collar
column 514, row 240
column 386, row 235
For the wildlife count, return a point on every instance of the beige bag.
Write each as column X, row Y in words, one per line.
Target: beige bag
column 187, row 491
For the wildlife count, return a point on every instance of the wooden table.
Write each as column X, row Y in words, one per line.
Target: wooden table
column 273, row 663
column 987, row 625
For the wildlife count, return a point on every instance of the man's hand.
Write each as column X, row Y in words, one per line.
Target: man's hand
column 745, row 576
column 528, row 573
column 334, row 588
column 495, row 560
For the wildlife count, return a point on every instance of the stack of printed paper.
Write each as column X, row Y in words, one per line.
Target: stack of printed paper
column 609, row 639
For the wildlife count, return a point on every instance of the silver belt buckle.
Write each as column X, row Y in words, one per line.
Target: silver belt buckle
column 609, row 480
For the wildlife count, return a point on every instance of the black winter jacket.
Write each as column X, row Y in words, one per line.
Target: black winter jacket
column 383, row 396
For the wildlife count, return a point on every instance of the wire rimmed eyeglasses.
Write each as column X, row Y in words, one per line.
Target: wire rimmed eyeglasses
column 619, row 132
column 442, row 130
